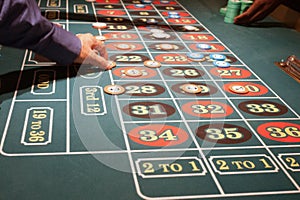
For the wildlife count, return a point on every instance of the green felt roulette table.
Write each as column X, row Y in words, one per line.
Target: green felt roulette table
column 222, row 123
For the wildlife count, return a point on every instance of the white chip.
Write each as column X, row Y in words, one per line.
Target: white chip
column 161, row 35
column 123, row 46
column 147, row 1
column 114, row 89
column 133, row 72
column 239, row 89
column 152, row 64
column 139, row 5
column 195, row 55
column 151, row 21
column 166, row 46
column 99, row 25
column 191, row 88
column 190, row 28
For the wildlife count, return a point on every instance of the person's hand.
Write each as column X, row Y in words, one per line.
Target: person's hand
column 92, row 52
column 258, row 11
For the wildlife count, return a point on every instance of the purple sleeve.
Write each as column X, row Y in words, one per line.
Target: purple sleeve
column 23, row 26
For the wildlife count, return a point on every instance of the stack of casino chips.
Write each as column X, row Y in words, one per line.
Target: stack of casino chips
column 234, row 8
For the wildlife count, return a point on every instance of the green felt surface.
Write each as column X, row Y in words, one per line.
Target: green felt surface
column 88, row 157
column 259, row 46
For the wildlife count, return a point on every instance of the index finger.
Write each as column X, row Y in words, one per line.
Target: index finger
column 96, row 60
column 100, row 47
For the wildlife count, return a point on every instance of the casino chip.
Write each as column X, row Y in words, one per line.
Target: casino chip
column 123, row 46
column 232, row 10
column 114, row 89
column 151, row 21
column 147, row 1
column 191, row 88
column 139, row 5
column 218, row 57
column 221, row 64
column 166, row 46
column 90, row 1
column 174, row 16
column 99, row 25
column 239, row 89
column 152, row 64
column 161, row 35
column 173, row 13
column 245, row 5
column 203, row 46
column 190, row 28
column 223, row 11
column 164, row 1
column 101, row 38
column 133, row 72
column 111, row 65
column 195, row 56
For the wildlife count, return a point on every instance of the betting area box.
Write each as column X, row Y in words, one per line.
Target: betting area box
column 199, row 124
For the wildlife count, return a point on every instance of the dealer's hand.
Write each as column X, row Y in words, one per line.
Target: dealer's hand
column 258, row 11
column 88, row 54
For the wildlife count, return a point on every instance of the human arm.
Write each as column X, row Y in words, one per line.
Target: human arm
column 23, row 26
column 258, row 11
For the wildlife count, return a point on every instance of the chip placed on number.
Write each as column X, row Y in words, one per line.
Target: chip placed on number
column 158, row 35
column 164, row 1
column 147, row 1
column 151, row 21
column 139, row 5
column 166, row 46
column 221, row 64
column 203, row 46
column 196, row 56
column 114, row 89
column 152, row 64
column 99, row 25
column 174, row 16
column 191, row 88
column 133, row 72
column 239, row 89
column 190, row 28
column 218, row 57
column 123, row 46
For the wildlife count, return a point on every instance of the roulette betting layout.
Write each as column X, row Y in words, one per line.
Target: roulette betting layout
column 189, row 120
